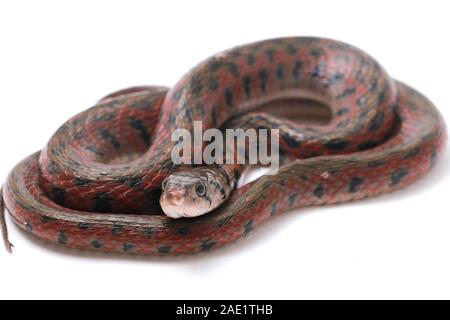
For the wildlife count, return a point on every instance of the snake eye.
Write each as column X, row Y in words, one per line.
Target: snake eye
column 200, row 188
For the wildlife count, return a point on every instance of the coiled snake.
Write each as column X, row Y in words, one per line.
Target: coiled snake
column 97, row 182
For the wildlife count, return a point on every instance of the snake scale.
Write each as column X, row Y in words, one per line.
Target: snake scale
column 95, row 186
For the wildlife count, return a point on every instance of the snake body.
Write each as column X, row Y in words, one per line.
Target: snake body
column 96, row 183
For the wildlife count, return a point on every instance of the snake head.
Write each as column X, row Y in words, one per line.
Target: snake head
column 192, row 193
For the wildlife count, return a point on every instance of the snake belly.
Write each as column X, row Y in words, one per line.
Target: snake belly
column 96, row 181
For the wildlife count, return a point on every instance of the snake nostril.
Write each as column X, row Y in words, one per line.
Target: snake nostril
column 174, row 197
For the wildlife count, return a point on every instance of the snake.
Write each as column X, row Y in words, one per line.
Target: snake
column 101, row 180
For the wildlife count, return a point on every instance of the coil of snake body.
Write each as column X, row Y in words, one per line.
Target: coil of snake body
column 95, row 184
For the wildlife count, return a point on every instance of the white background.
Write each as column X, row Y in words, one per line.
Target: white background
column 57, row 59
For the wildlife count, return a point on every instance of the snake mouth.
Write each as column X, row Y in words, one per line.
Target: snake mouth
column 178, row 211
column 173, row 214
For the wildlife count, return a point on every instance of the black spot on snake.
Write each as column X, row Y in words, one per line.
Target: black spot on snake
column 270, row 54
column 262, row 79
column 29, row 226
column 58, row 149
column 81, row 182
column 373, row 84
column 106, row 134
column 376, row 122
column 359, row 76
column 246, row 81
column 250, row 59
column 94, row 150
column 228, row 97
column 128, row 246
column 171, row 119
column 376, row 163
column 335, row 78
column 213, row 84
column 139, row 126
column 84, row 226
column 347, row 92
column 59, row 195
column 139, row 105
column 148, row 232
column 232, row 69
column 215, row 64
column 412, row 153
column 291, row 49
column 248, row 227
column 364, row 114
column 381, row 97
column 336, row 144
column 116, row 229
column 354, row 184
column 164, row 249
column 296, row 69
column 52, row 169
column 235, row 54
column 62, row 238
column 78, row 119
column 292, row 198
column 316, row 52
column 196, row 85
column 316, row 71
column 273, row 209
column 96, row 244
column 46, row 219
column 280, row 72
column 398, row 176
column 319, row 191
column 188, row 114
column 207, row 244
column 341, row 112
column 282, row 183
